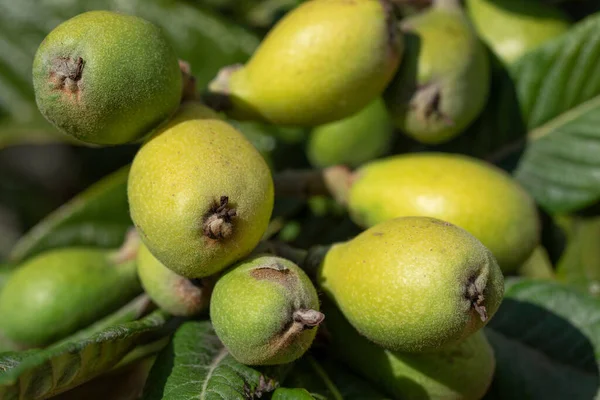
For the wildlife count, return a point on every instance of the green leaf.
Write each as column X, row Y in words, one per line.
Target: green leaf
column 98, row 216
column 580, row 263
column 559, row 94
column 37, row 374
column 546, row 337
column 203, row 39
column 195, row 365
column 291, row 394
column 327, row 379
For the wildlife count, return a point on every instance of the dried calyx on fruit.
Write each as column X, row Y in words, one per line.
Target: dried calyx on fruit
column 265, row 310
column 443, row 82
column 199, row 193
column 106, row 78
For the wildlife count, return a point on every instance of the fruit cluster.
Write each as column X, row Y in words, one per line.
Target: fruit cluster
column 414, row 288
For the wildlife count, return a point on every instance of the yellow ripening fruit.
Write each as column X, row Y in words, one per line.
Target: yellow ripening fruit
column 106, row 78
column 513, row 27
column 460, row 372
column 324, row 61
column 200, row 195
column 443, row 82
column 464, row 191
column 413, row 284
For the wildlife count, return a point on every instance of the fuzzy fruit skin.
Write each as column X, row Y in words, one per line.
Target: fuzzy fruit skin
column 443, row 82
column 403, row 283
column 352, row 141
column 252, row 305
column 461, row 372
column 61, row 291
column 180, row 174
column 511, row 28
column 171, row 292
column 130, row 81
column 324, row 61
column 462, row 190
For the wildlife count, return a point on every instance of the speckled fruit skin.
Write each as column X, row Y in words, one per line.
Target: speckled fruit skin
column 403, row 283
column 129, row 83
column 461, row 372
column 443, row 82
column 352, row 141
column 58, row 292
column 251, row 310
column 180, row 174
column 462, row 190
column 171, row 292
column 324, row 61
column 511, row 28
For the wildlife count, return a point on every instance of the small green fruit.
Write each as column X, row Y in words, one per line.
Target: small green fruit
column 460, row 372
column 171, row 292
column 200, row 195
column 324, row 61
column 513, row 27
column 413, row 284
column 464, row 191
column 352, row 141
column 106, row 78
column 265, row 311
column 443, row 82
column 61, row 291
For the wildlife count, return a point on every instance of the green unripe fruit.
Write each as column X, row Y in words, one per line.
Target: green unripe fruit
column 200, row 195
column 462, row 190
column 265, row 311
column 106, row 78
column 324, row 61
column 443, row 82
column 171, row 292
column 352, row 141
column 511, row 28
column 413, row 284
column 461, row 372
column 61, row 291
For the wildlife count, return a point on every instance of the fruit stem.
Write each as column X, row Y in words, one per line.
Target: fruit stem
column 188, row 83
column 477, row 301
column 129, row 249
column 308, row 317
column 218, row 223
column 333, row 181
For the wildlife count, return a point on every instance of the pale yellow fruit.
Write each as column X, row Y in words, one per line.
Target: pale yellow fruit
column 325, row 60
column 462, row 190
column 200, row 194
column 413, row 284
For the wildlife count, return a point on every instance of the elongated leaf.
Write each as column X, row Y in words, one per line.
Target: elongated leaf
column 291, row 394
column 580, row 263
column 559, row 94
column 97, row 217
column 195, row 365
column 327, row 379
column 5, row 271
column 547, row 342
column 37, row 374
